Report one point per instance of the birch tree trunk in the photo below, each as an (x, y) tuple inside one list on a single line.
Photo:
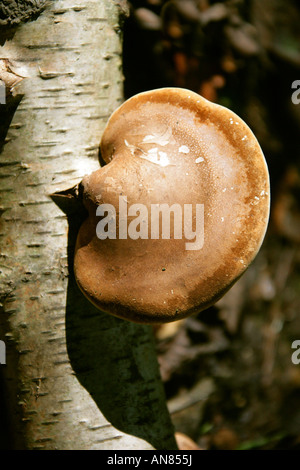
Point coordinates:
[(75, 378)]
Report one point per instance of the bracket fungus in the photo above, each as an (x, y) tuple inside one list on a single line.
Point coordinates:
[(177, 213)]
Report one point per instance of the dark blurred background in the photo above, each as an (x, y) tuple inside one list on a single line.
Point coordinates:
[(228, 372)]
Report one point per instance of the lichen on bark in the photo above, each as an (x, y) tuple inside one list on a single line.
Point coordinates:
[(13, 12)]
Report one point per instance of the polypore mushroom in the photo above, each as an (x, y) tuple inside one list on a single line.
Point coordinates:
[(171, 146)]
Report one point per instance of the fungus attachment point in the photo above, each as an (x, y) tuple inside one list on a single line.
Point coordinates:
[(178, 212)]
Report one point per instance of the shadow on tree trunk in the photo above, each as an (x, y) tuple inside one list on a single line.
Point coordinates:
[(115, 360)]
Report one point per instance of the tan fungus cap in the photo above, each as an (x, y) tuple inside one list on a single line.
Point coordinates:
[(171, 146)]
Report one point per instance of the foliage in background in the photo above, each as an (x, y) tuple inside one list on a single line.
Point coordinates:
[(228, 372)]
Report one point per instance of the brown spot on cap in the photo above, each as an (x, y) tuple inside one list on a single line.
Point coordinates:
[(171, 146)]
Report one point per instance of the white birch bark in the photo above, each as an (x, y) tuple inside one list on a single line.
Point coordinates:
[(89, 381)]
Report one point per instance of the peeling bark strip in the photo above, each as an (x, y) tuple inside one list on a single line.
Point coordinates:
[(13, 12), (75, 378)]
